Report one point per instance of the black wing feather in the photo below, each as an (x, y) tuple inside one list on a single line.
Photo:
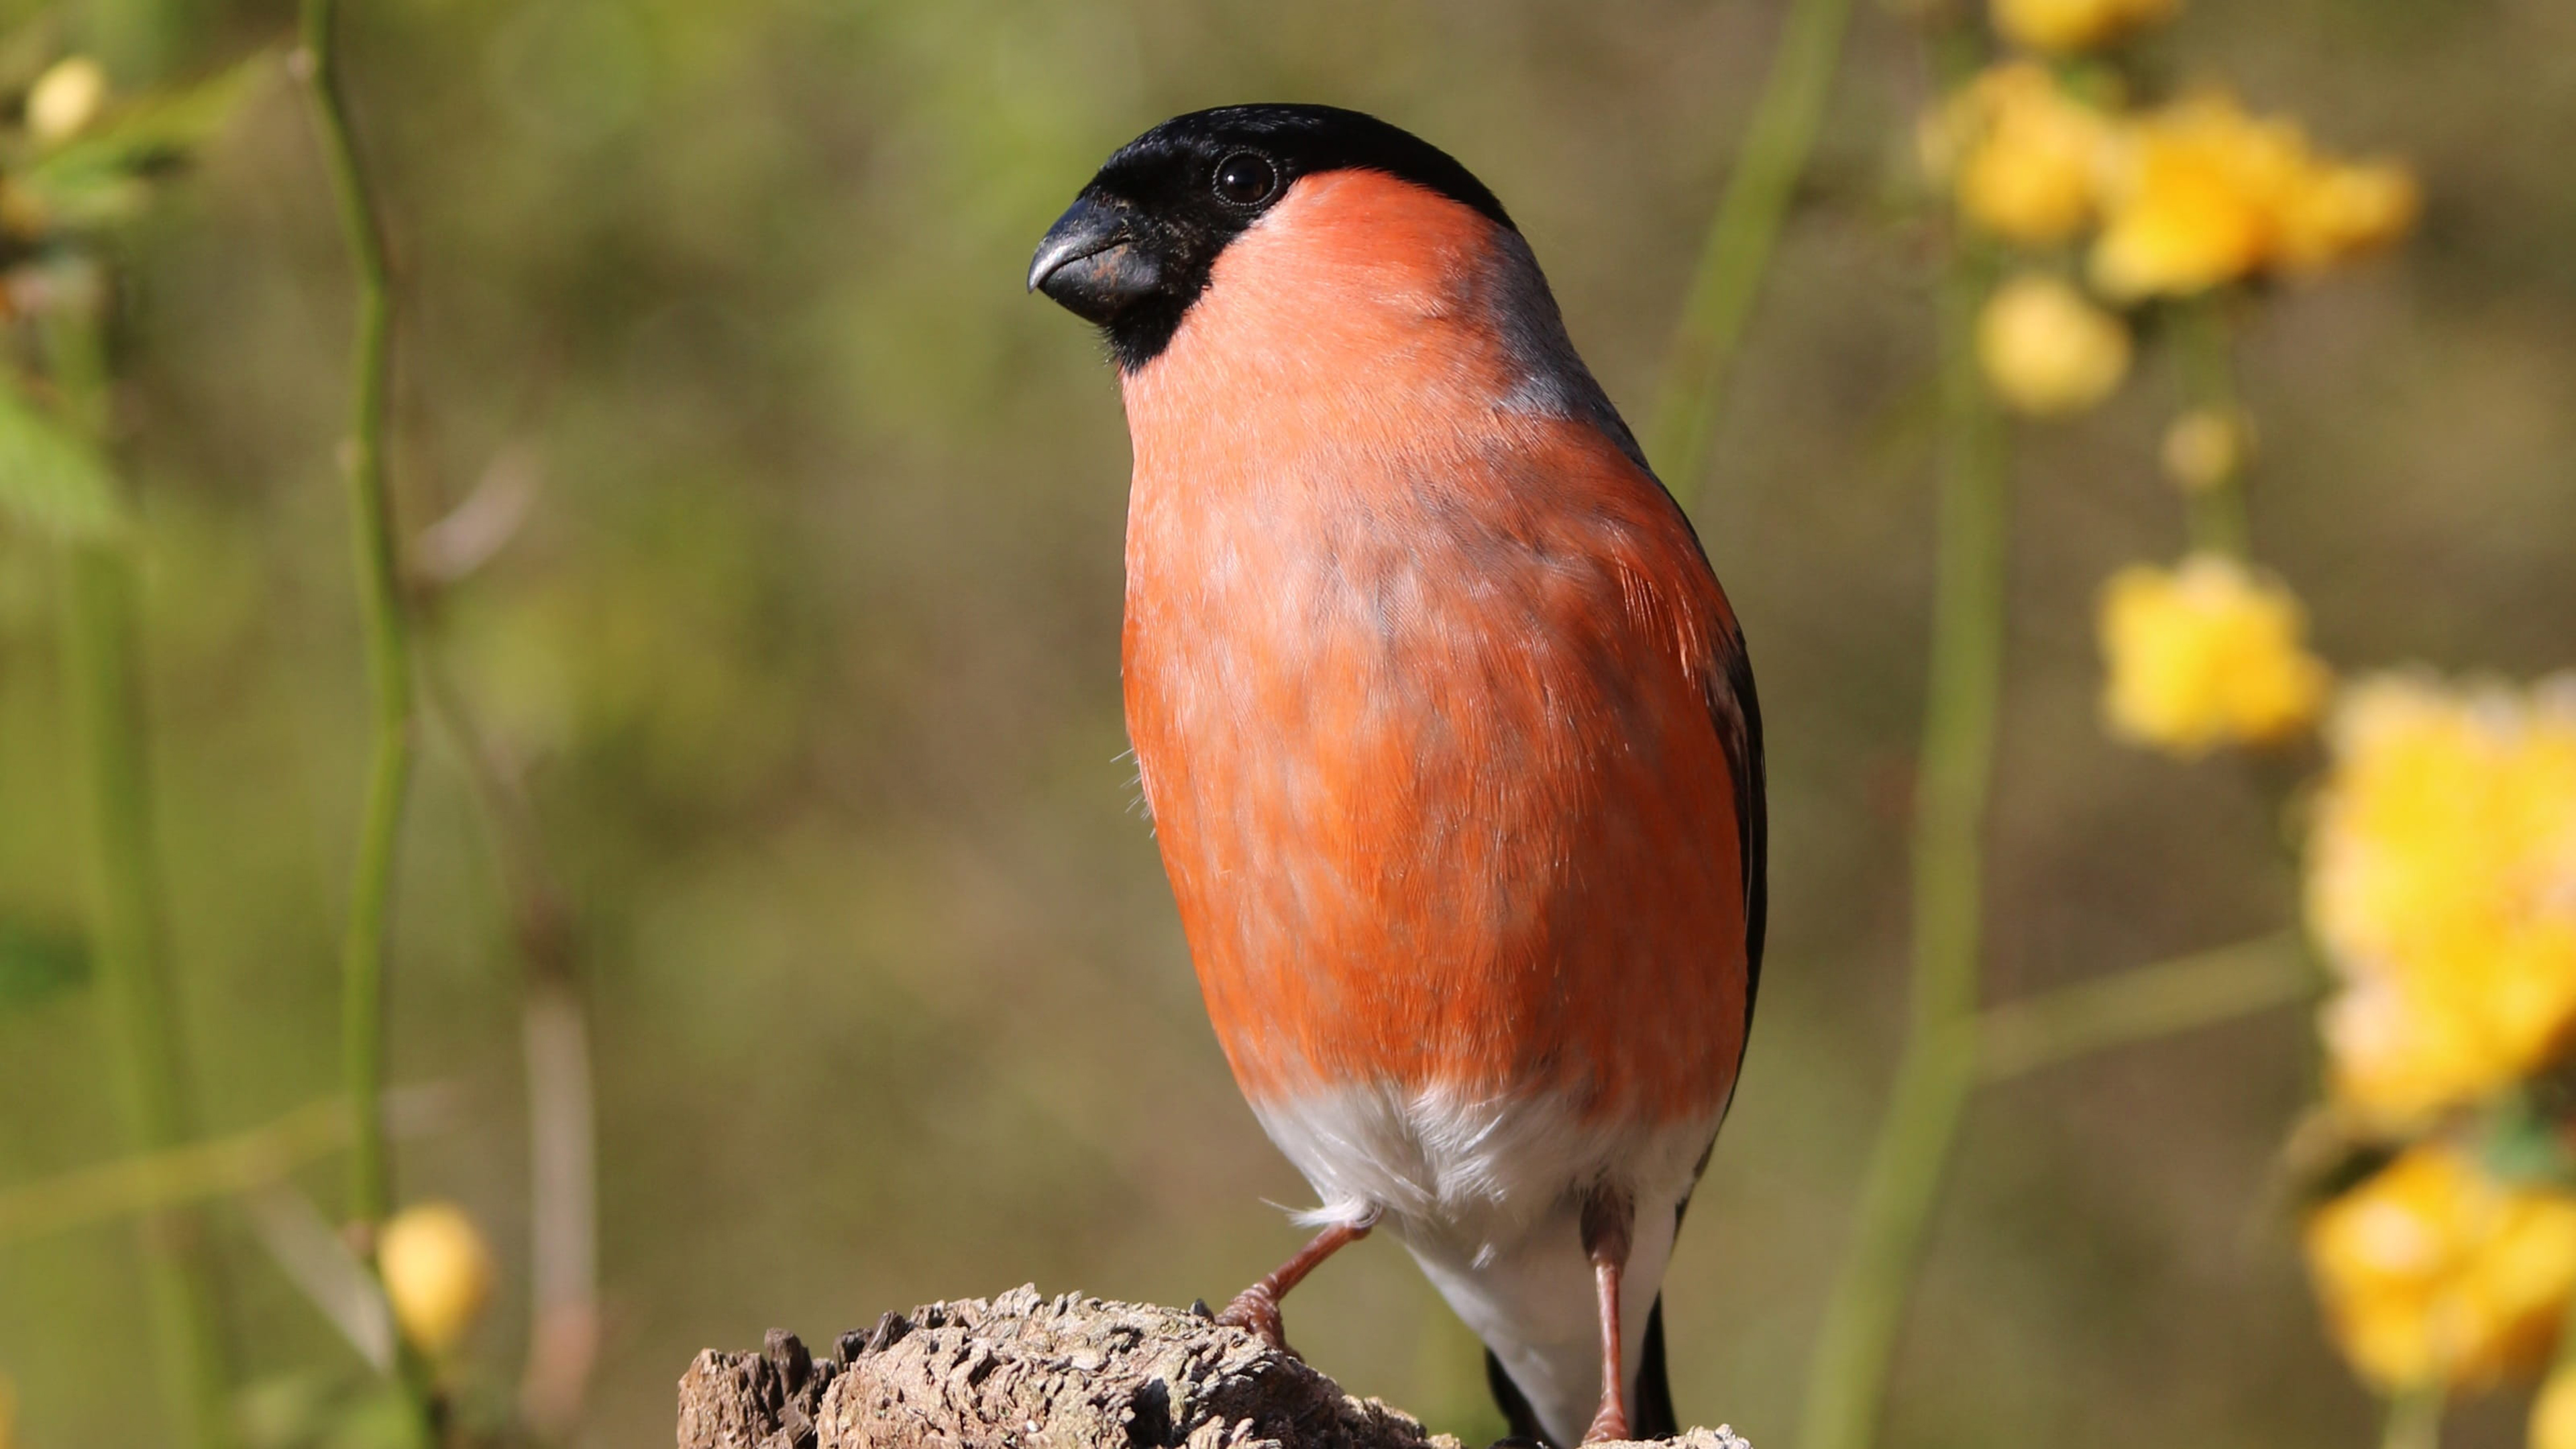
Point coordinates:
[(1739, 728)]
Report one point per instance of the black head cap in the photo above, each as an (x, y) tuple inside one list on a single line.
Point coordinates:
[(1138, 244)]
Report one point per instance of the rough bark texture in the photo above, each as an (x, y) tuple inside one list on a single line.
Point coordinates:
[(1026, 1372)]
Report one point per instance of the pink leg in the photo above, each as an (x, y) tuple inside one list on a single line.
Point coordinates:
[(1608, 1218), (1257, 1308)]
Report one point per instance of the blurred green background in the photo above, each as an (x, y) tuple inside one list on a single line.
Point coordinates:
[(809, 643)]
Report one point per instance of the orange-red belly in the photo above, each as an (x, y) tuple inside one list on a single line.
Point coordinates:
[(1441, 799)]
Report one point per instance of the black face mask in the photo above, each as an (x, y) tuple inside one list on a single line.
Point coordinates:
[(1138, 245)]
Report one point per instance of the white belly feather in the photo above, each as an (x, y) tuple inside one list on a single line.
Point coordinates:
[(1486, 1193)]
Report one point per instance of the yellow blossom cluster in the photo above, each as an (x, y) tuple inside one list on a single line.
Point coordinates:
[(2071, 25), (2176, 200), (2201, 193), (2181, 198), (2434, 1274), (2442, 888), (2440, 868), (2024, 159), (2204, 654)]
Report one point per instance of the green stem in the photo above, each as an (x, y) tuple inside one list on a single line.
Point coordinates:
[(1847, 1381), (173, 1176), (2414, 1420), (388, 626), (1741, 237), (389, 662), (104, 694), (106, 708), (2144, 1003), (2204, 353), (142, 40)]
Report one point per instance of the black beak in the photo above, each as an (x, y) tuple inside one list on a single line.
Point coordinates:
[(1091, 265)]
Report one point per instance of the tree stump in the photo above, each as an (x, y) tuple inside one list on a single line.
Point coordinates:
[(1035, 1373)]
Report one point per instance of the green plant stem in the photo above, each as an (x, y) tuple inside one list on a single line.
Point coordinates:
[(104, 694), (208, 1167), (2205, 356), (161, 1180), (2414, 1420), (2144, 1003), (388, 625), (1847, 1381), (389, 662), (142, 40), (1741, 238)]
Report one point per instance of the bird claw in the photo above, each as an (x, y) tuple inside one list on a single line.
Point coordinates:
[(1256, 1311)]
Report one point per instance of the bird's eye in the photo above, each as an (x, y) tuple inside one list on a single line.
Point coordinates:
[(1245, 179)]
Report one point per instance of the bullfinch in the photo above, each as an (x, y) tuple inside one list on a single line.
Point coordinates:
[(1446, 728)]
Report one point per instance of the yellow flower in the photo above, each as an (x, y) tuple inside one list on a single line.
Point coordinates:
[(2553, 1413), (2047, 350), (2024, 158), (65, 98), (2432, 1273), (2195, 196), (2205, 654), (2343, 210), (2202, 193), (2442, 887), (2063, 25), (437, 1272), (2206, 447)]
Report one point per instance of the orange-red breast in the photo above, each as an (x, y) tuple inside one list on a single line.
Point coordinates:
[(1445, 724)]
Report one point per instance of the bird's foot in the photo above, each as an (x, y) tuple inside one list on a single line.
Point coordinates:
[(1255, 1310), (1609, 1424)]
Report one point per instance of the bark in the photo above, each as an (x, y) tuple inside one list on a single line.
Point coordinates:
[(1034, 1373)]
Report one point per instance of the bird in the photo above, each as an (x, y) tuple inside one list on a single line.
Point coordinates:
[(1445, 727)]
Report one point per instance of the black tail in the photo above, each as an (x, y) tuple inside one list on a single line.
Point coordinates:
[(1653, 1410), (1654, 1407), (1514, 1404)]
